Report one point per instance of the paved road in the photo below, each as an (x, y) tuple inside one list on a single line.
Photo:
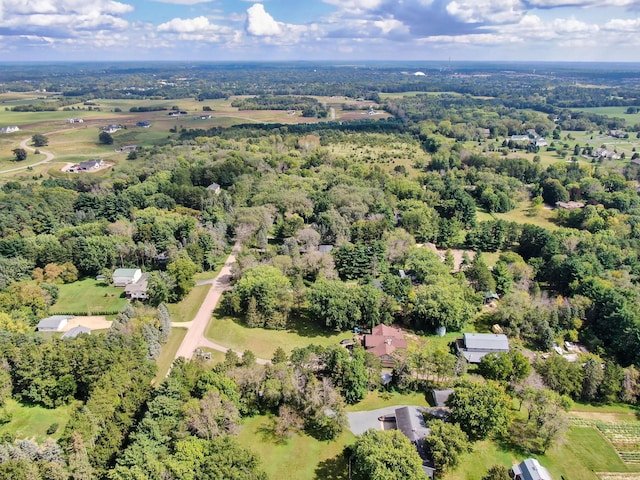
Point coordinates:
[(48, 156), (196, 329)]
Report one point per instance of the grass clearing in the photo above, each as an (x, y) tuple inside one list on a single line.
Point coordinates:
[(376, 400), (583, 453), (299, 458), (168, 352), (187, 308), (33, 421), (231, 333), (544, 218), (89, 296)]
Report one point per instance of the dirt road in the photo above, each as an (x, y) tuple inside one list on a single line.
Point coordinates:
[(196, 329)]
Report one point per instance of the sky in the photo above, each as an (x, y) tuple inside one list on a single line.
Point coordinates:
[(314, 30)]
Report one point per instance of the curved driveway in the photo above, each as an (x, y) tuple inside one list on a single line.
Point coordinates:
[(196, 329), (48, 156)]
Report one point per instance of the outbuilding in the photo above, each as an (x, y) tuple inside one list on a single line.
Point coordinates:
[(55, 323), (125, 276)]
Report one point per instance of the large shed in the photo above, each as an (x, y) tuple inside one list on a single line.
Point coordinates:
[(54, 323), (476, 345), (125, 276)]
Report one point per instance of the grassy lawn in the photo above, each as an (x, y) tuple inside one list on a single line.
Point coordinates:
[(231, 333), (216, 355), (583, 452), (300, 457), (168, 352), (544, 218), (89, 296), (186, 309), (29, 421), (375, 400)]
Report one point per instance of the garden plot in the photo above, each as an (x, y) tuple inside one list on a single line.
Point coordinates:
[(624, 437)]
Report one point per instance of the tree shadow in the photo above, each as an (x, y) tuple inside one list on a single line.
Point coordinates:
[(267, 433), (336, 468)]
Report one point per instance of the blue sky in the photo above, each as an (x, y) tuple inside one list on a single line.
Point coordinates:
[(343, 30)]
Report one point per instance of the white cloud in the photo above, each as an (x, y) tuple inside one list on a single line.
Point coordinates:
[(262, 24), (623, 25), (188, 25), (491, 11)]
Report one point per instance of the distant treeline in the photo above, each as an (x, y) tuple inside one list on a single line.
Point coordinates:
[(390, 125), (152, 108)]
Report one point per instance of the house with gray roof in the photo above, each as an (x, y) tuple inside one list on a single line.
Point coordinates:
[(54, 323), (138, 289), (75, 331), (474, 346), (530, 469)]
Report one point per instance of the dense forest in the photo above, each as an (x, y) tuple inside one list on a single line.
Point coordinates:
[(325, 235)]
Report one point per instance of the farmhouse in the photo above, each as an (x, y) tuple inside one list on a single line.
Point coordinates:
[(143, 124), (383, 341), (90, 165), (128, 148), (112, 128), (75, 331), (410, 421), (10, 129), (474, 346), (75, 120), (530, 469), (126, 276), (55, 323), (138, 289)]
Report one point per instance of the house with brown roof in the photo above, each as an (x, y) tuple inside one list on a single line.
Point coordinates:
[(383, 341)]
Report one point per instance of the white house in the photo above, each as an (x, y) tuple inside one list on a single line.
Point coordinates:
[(126, 276), (9, 129), (530, 469), (75, 331)]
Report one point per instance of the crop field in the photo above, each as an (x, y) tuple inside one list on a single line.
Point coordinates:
[(624, 437)]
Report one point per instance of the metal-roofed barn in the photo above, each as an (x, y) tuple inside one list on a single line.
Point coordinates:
[(474, 346)]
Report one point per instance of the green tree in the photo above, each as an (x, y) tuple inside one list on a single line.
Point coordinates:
[(348, 372), (446, 443), (20, 154), (279, 356), (447, 302), (497, 472), (181, 270), (385, 455), (271, 290), (39, 140), (481, 409), (105, 138), (504, 366)]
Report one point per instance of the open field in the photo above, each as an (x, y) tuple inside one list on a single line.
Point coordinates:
[(168, 353), (186, 309), (231, 333), (31, 421), (619, 112), (519, 215), (88, 295), (298, 458)]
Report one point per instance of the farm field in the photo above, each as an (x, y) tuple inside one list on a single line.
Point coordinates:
[(89, 296), (619, 112)]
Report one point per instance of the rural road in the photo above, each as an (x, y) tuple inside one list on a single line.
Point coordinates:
[(196, 329), (23, 144)]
